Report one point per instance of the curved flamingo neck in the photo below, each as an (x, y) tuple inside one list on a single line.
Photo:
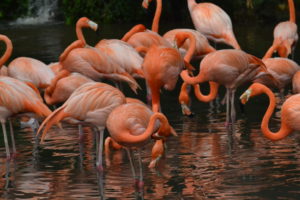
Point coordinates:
[(191, 4), (214, 87), (137, 28), (79, 33), (73, 45), (292, 11), (284, 129), (8, 50), (270, 52), (155, 23), (129, 139), (192, 47), (200, 78)]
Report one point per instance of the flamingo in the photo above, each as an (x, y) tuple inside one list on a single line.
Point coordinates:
[(36, 72), (162, 65), (151, 37), (89, 104), (282, 69), (17, 97), (213, 22), (132, 125), (93, 63), (296, 83), (202, 45), (290, 120), (285, 35), (157, 149), (230, 68)]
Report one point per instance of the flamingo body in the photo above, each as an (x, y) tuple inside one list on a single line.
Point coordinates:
[(213, 22), (282, 69), (122, 53), (31, 70)]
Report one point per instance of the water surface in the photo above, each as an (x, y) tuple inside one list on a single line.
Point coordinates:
[(206, 160)]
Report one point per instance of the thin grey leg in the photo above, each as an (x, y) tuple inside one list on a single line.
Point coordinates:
[(12, 135), (233, 114), (131, 162), (100, 149), (5, 140), (227, 107)]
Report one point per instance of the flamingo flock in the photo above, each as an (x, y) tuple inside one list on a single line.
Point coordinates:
[(76, 81)]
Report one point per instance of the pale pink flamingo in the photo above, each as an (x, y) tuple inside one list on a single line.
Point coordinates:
[(230, 68), (282, 69), (132, 125), (36, 72), (296, 82), (285, 35), (290, 117), (92, 63), (17, 97), (213, 22), (89, 104)]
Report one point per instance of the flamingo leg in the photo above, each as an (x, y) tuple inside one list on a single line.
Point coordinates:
[(227, 107), (5, 139), (141, 181), (131, 162), (12, 135), (232, 112), (100, 149), (81, 134)]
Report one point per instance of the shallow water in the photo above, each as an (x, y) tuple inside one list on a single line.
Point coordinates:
[(205, 161)]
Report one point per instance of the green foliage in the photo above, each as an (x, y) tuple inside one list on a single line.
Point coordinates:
[(101, 10), (12, 9)]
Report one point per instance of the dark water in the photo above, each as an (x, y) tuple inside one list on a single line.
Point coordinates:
[(206, 161)]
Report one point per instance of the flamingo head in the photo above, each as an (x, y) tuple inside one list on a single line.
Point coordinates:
[(86, 22), (254, 90)]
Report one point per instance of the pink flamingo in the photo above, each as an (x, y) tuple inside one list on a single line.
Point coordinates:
[(285, 35), (36, 72), (17, 97), (132, 125), (89, 104), (282, 69), (210, 20), (162, 65), (290, 120), (230, 68), (202, 45)]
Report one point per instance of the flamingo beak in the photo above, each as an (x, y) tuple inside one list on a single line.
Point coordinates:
[(245, 96), (145, 4), (93, 25)]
